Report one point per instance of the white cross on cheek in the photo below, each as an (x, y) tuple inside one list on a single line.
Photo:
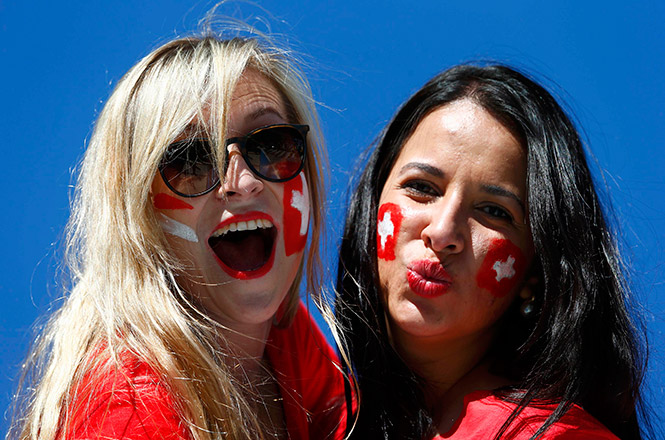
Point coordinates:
[(504, 269), (385, 229), (298, 202)]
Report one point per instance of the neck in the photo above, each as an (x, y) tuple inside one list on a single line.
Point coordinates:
[(248, 362), (442, 364), (451, 369), (246, 350)]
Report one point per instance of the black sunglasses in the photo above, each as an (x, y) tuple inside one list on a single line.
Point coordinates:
[(275, 153)]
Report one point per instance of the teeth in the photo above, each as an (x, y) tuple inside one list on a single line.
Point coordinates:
[(250, 225)]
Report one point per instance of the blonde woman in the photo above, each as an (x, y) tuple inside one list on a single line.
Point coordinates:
[(186, 249)]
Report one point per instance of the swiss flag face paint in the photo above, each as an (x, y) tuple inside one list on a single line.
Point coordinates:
[(502, 268), (387, 230), (296, 215), (165, 201)]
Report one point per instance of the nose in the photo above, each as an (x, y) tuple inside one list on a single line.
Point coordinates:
[(445, 233), (240, 181)]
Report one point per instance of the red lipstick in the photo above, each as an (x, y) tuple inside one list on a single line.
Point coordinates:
[(428, 278), (252, 273)]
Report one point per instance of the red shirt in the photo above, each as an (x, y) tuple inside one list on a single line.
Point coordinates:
[(132, 403), (484, 414)]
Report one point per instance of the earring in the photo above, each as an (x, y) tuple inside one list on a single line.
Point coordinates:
[(528, 307)]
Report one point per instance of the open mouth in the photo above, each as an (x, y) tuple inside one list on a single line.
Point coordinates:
[(245, 248)]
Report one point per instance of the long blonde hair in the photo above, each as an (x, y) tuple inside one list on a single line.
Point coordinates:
[(123, 296)]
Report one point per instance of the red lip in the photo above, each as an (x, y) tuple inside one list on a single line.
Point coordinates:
[(248, 274), (428, 278)]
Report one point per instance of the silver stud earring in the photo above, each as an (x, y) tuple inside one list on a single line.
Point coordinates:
[(528, 307)]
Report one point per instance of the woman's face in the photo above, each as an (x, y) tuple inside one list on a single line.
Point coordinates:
[(243, 242), (453, 244)]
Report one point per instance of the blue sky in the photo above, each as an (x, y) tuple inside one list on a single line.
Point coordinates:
[(60, 60)]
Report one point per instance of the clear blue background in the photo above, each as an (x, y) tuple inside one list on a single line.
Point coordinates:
[(59, 61)]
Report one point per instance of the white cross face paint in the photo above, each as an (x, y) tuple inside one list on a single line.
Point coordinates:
[(175, 228), (296, 214), (386, 229), (504, 269), (299, 202)]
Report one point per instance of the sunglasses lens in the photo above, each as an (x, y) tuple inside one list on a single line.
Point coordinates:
[(188, 168), (276, 153)]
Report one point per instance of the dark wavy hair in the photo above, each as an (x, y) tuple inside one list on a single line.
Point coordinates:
[(581, 347)]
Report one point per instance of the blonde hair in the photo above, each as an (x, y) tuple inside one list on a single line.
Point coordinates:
[(124, 297)]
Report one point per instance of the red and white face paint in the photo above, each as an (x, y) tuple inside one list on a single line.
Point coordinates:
[(387, 230), (463, 244), (166, 202), (502, 268), (296, 214)]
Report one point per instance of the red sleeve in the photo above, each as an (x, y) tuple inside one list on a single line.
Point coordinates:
[(128, 403)]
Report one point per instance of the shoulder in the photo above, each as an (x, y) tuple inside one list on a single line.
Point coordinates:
[(124, 401), (484, 414)]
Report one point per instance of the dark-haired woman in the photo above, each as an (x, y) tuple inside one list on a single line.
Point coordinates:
[(479, 285)]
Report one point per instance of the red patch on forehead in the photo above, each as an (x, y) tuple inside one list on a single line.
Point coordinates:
[(502, 268), (387, 229), (296, 216), (165, 201)]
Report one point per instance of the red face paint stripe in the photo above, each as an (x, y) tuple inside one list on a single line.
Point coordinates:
[(389, 221), (294, 216), (165, 201), (502, 268)]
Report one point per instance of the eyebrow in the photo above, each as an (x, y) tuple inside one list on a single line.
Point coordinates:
[(264, 111), (420, 166), (503, 192)]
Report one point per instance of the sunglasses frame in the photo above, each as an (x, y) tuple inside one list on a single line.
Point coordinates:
[(241, 141)]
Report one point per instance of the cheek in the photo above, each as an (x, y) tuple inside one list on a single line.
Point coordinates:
[(166, 202), (177, 229), (296, 214), (502, 268), (387, 230)]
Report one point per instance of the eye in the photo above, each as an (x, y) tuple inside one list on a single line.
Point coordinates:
[(496, 212), (188, 158), (420, 188)]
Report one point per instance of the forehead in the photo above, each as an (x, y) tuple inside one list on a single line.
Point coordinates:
[(257, 97), (464, 136)]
